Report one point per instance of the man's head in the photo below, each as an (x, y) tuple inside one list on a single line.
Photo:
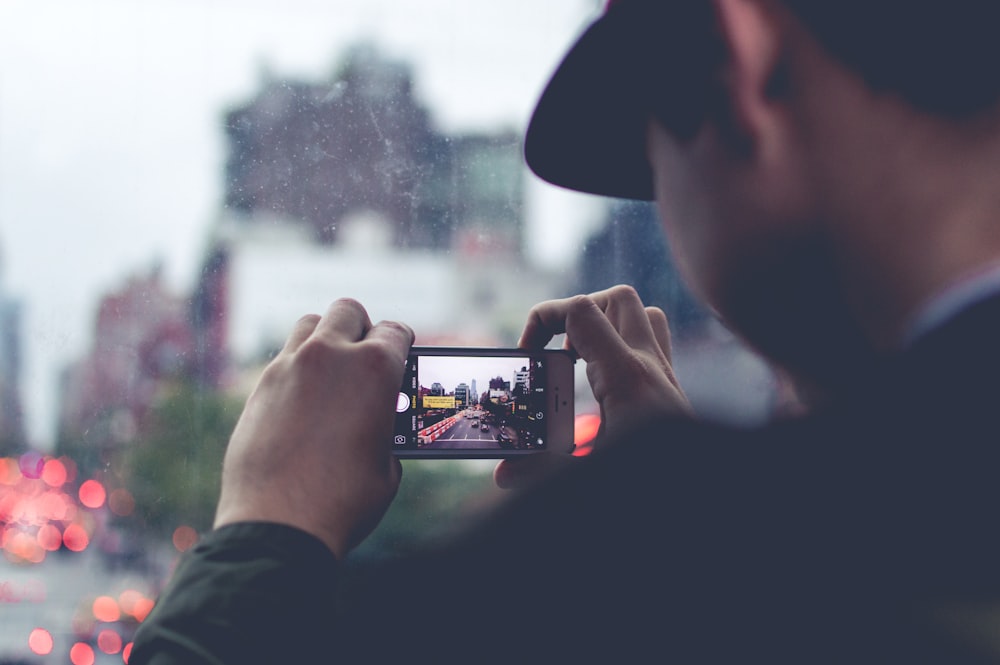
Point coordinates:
[(778, 138), (663, 57)]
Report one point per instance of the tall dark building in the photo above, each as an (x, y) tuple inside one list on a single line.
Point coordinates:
[(498, 383), (631, 249), (209, 317), (12, 434), (462, 395)]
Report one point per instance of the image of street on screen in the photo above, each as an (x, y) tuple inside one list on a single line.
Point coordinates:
[(472, 403)]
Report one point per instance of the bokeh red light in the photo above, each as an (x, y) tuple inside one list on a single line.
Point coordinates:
[(81, 653), (75, 538), (40, 641), (184, 538), (49, 537), (585, 429), (92, 494), (54, 473), (106, 609), (109, 641)]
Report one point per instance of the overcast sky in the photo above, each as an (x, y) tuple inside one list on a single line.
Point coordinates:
[(450, 372), (111, 145)]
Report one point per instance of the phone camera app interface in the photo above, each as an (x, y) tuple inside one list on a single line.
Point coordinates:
[(472, 403)]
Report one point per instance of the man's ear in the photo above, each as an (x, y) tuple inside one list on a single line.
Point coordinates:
[(754, 72)]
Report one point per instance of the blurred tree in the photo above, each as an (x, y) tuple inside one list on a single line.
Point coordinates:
[(175, 467)]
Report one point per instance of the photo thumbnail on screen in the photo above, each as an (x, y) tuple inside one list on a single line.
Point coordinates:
[(470, 403)]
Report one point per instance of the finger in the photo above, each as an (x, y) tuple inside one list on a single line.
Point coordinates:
[(300, 333), (395, 336), (545, 321), (623, 307), (593, 334), (346, 319), (661, 330)]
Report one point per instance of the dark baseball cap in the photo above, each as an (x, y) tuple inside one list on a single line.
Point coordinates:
[(588, 129)]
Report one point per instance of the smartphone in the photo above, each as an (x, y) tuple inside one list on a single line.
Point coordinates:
[(476, 403)]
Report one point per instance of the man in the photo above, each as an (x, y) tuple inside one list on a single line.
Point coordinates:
[(826, 173)]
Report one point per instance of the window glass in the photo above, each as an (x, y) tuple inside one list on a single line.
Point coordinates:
[(181, 180)]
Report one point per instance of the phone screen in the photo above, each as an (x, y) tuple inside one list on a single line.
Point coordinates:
[(474, 405)]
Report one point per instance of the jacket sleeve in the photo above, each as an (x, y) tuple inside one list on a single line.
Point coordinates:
[(250, 592)]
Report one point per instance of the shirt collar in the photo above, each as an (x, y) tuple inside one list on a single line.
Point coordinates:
[(967, 291)]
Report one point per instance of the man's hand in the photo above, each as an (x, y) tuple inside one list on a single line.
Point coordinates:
[(312, 448), (627, 350)]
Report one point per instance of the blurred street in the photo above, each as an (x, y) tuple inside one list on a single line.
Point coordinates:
[(58, 596)]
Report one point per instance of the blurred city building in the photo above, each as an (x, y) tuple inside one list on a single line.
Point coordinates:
[(630, 248), (320, 151), (12, 434), (142, 340)]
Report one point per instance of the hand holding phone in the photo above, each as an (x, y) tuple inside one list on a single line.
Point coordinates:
[(305, 450), (626, 348), (478, 403)]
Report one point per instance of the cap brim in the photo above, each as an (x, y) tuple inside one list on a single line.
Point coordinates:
[(588, 130)]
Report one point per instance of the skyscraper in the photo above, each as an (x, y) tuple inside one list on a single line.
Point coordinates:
[(12, 437), (462, 395)]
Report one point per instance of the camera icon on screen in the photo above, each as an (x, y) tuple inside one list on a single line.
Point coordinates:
[(400, 440)]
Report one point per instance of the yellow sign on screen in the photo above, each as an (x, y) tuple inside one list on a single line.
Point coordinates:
[(437, 402)]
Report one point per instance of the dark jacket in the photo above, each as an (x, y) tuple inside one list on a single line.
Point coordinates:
[(868, 533)]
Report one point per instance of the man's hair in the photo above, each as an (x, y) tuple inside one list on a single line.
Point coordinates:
[(941, 57)]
